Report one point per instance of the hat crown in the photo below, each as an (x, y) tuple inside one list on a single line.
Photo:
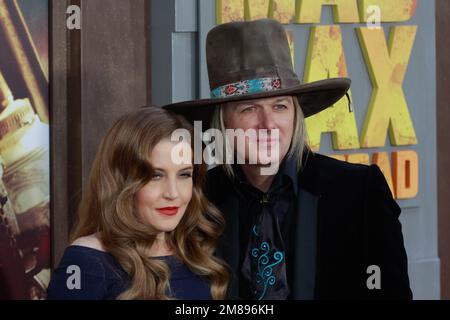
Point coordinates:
[(239, 51)]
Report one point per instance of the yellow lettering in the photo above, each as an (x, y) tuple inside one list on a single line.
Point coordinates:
[(229, 10), (326, 59), (310, 11), (391, 11), (238, 10), (344, 11), (360, 158), (337, 156), (256, 9), (290, 37), (387, 66), (405, 167), (403, 180), (282, 10)]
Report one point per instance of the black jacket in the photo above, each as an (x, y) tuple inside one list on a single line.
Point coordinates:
[(346, 221)]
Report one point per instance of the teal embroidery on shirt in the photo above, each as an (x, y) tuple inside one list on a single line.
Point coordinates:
[(264, 273)]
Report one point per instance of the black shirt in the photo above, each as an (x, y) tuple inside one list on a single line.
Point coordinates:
[(281, 196)]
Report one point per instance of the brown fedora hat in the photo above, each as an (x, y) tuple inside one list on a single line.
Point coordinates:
[(252, 60)]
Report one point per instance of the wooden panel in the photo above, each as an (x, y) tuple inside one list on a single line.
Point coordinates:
[(114, 67), (97, 74), (58, 64)]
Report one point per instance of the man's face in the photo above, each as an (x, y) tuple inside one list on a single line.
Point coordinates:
[(269, 114)]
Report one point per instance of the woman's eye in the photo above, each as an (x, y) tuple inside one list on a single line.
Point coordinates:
[(157, 176), (186, 175)]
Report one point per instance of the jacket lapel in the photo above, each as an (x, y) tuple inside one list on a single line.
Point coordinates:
[(305, 244), (305, 238), (306, 225)]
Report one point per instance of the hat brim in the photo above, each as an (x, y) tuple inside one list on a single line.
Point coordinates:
[(313, 98)]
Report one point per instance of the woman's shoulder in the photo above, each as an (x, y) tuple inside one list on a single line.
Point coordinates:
[(88, 255), (92, 272), (91, 241), (87, 252)]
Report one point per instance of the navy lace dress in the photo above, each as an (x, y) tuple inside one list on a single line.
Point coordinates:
[(102, 278)]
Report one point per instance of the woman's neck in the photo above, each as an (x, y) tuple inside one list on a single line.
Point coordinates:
[(160, 247)]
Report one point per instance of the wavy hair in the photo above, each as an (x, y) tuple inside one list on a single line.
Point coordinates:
[(120, 169)]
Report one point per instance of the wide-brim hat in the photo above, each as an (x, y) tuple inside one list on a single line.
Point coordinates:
[(252, 60)]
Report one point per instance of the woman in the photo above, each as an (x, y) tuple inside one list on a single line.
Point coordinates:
[(145, 229)]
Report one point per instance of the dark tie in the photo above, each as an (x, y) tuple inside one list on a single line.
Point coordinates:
[(264, 264)]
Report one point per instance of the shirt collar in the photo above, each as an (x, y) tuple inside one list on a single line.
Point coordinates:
[(288, 169)]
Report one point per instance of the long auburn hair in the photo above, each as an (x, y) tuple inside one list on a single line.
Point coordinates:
[(120, 169)]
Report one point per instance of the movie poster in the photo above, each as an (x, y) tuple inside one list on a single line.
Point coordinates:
[(24, 150)]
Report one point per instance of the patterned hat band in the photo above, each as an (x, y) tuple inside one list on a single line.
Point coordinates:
[(247, 87)]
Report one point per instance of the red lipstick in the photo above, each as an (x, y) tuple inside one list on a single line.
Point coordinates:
[(168, 211)]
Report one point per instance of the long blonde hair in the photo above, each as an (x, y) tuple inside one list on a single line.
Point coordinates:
[(120, 169)]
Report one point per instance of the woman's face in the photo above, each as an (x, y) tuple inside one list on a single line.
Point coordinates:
[(161, 203)]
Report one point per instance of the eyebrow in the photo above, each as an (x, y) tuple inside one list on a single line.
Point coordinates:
[(247, 103), (182, 169), (242, 104), (281, 99)]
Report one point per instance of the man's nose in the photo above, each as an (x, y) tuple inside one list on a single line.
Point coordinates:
[(266, 120)]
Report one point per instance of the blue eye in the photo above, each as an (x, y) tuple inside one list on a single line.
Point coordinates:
[(248, 109), (280, 106), (157, 176)]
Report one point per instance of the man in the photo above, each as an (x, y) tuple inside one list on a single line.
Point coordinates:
[(315, 228)]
